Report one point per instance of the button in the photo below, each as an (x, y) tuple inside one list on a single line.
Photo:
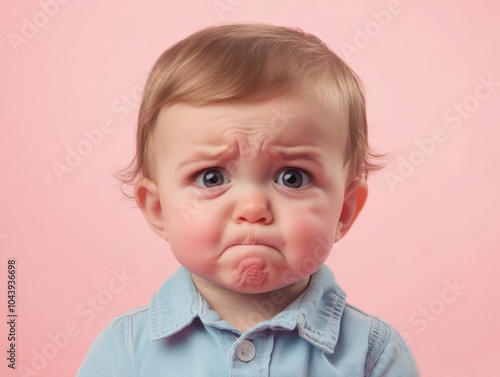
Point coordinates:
[(245, 351)]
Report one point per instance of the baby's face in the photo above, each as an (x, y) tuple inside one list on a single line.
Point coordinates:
[(251, 195)]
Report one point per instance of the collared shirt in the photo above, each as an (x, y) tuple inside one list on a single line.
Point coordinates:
[(317, 335)]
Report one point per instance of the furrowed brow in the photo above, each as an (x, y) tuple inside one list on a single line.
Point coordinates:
[(212, 154)]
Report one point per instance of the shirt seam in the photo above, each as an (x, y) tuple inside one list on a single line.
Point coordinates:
[(377, 342), (262, 354), (322, 333)]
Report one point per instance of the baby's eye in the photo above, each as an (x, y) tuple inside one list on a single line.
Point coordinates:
[(211, 178), (293, 178)]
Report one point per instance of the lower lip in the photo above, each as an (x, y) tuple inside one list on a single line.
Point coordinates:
[(251, 251)]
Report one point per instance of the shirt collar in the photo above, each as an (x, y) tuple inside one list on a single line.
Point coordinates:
[(316, 313)]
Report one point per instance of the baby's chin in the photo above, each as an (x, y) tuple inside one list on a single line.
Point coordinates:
[(249, 275), (253, 276), (252, 273)]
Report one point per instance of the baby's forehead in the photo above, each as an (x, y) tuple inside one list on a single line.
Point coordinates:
[(283, 118), (291, 129)]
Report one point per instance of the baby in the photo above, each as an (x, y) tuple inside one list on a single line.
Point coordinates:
[(252, 159)]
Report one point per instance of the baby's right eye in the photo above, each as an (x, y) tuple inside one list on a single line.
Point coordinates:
[(211, 178)]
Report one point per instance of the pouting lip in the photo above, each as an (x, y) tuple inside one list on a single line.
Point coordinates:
[(252, 242), (254, 249), (252, 236)]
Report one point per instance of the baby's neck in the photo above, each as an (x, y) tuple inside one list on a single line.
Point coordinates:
[(244, 311)]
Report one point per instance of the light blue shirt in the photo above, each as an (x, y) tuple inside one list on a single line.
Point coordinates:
[(318, 335)]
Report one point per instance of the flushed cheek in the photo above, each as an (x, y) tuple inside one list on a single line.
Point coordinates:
[(196, 233), (310, 238)]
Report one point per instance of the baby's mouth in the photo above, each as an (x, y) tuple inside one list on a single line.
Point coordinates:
[(249, 238)]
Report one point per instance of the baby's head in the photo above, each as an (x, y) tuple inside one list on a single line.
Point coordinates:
[(252, 154)]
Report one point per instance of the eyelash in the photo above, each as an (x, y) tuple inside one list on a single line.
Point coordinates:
[(192, 178)]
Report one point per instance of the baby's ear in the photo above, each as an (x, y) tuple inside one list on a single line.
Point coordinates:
[(148, 200), (354, 200)]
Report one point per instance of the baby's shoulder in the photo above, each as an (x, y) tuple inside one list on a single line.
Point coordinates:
[(366, 328), (386, 349)]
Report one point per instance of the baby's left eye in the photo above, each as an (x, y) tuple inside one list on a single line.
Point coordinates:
[(293, 178)]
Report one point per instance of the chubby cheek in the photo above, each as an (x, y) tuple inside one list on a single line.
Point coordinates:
[(310, 236), (194, 233)]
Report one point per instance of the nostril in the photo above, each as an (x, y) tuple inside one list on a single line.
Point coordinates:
[(254, 220), (252, 213)]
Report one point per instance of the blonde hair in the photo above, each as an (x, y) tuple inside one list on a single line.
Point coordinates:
[(252, 62)]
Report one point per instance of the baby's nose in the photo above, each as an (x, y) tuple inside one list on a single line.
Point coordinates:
[(253, 208)]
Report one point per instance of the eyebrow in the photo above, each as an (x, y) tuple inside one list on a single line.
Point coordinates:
[(212, 154), (310, 153)]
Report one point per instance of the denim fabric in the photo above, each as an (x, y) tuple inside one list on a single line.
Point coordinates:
[(317, 335)]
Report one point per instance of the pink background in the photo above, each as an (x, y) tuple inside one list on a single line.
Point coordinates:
[(435, 224)]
